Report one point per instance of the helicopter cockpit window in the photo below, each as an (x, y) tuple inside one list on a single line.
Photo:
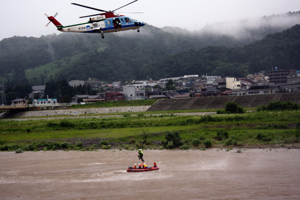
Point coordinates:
[(127, 19)]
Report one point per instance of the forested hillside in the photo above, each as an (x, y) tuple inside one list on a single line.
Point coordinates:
[(280, 50), (152, 53)]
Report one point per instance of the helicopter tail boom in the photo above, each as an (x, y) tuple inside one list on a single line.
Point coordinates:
[(54, 21)]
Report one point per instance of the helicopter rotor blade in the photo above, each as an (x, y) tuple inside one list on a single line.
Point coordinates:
[(90, 15), (125, 5), (76, 4)]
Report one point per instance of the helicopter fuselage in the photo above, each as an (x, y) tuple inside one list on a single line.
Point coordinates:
[(102, 25)]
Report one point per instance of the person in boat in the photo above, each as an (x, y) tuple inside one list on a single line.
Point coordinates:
[(145, 166), (141, 155), (140, 165), (134, 167), (154, 164)]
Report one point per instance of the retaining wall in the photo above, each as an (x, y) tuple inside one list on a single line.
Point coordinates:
[(86, 111), (220, 102)]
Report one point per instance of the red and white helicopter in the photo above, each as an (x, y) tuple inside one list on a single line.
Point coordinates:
[(104, 22)]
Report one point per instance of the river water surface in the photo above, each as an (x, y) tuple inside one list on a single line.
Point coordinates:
[(193, 174)]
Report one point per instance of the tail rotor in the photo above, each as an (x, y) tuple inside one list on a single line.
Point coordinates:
[(50, 18)]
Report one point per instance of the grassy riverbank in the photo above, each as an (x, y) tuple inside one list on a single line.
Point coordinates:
[(254, 129)]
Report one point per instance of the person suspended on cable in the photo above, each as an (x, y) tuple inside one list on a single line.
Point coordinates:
[(141, 155)]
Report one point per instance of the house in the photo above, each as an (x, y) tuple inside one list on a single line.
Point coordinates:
[(19, 102), (114, 96), (285, 88), (211, 79), (133, 92), (220, 83), (87, 98), (37, 90), (262, 89), (211, 91), (94, 83), (116, 84)]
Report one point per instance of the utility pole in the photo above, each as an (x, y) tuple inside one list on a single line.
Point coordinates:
[(3, 96)]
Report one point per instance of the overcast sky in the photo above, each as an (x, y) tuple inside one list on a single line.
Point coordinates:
[(26, 17)]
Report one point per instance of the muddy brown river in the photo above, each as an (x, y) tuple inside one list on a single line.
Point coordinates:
[(193, 174)]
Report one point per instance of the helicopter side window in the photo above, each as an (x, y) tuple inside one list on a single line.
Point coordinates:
[(127, 19), (122, 20)]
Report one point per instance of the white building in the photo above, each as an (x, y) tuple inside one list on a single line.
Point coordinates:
[(232, 83), (133, 92)]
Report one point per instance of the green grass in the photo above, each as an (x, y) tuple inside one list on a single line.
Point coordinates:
[(87, 134), (243, 130)]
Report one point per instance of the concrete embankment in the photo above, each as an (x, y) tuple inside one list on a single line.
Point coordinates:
[(86, 111), (220, 102)]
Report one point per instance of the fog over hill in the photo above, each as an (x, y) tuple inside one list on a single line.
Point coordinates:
[(238, 33)]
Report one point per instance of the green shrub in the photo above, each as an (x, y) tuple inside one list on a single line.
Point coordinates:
[(65, 145), (104, 143), (52, 124), (207, 118), (278, 105), (66, 124), (233, 108), (264, 137), (79, 144), (4, 147), (185, 147), (221, 112), (173, 140), (207, 143), (106, 146), (126, 115), (170, 145), (19, 150), (222, 134), (230, 141), (196, 142)]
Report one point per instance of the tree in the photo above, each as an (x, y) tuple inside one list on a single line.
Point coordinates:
[(233, 108), (60, 90), (170, 85)]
